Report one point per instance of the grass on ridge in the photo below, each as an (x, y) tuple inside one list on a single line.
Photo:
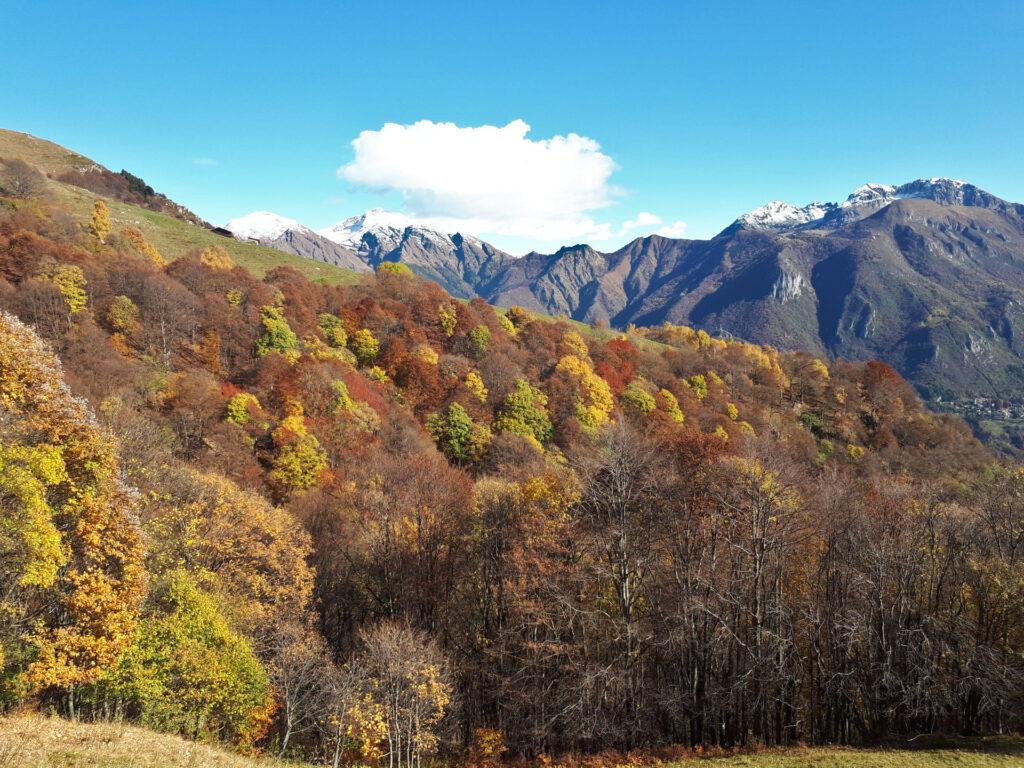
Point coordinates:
[(174, 237), (52, 159)]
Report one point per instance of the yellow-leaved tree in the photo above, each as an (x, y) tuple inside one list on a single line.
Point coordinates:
[(216, 257), (99, 224), (300, 460), (449, 318), (249, 553), (189, 670), (145, 248), (71, 574), (594, 401), (69, 279), (402, 690)]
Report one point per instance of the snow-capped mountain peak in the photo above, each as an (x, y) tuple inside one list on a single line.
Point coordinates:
[(349, 232), (262, 225), (288, 235), (378, 231), (941, 190), (870, 193), (777, 214), (863, 201)]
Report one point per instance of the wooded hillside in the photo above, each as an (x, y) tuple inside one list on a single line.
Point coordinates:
[(368, 522)]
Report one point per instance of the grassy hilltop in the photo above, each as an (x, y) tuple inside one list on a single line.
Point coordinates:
[(173, 237)]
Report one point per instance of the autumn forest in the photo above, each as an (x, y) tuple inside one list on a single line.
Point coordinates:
[(368, 523)]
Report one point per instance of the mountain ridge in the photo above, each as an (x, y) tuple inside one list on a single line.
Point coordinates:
[(288, 235), (867, 198), (927, 275)]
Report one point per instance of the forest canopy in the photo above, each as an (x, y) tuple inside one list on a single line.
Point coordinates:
[(368, 523)]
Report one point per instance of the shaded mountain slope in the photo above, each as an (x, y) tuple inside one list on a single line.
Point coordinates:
[(928, 276)]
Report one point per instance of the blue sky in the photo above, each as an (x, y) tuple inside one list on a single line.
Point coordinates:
[(701, 110)]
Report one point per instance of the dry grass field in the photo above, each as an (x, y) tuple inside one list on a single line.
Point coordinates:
[(34, 741)]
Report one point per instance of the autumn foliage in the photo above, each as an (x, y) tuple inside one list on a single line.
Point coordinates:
[(72, 570), (369, 523)]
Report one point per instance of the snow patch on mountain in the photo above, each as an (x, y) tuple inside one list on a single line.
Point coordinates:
[(431, 239), (778, 214), (386, 225), (867, 194), (262, 226), (865, 199), (378, 232)]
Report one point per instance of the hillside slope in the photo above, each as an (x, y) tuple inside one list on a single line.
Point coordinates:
[(56, 162), (381, 451), (928, 276), (51, 159), (284, 234), (173, 236)]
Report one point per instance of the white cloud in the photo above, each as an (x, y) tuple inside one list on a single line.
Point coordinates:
[(646, 222), (209, 161), (675, 229), (489, 179), (643, 219)]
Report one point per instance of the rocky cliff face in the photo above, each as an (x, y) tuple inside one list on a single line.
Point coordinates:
[(465, 266), (312, 246)]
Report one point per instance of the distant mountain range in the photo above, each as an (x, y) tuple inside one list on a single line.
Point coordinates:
[(290, 236), (928, 276), (362, 242)]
